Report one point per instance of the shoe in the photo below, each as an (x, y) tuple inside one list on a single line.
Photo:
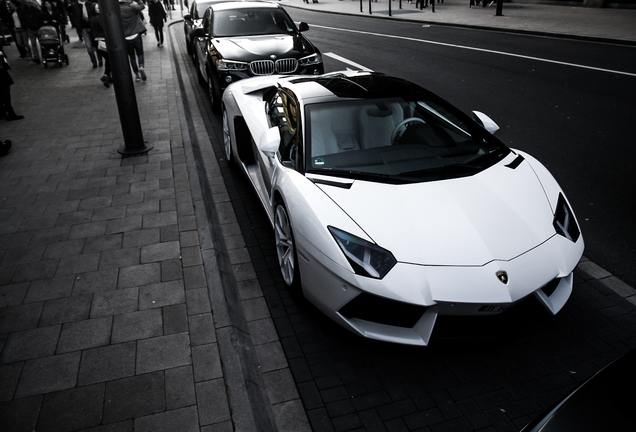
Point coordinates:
[(142, 73), (5, 146), (103, 78), (107, 81), (11, 115), (137, 77), (14, 117)]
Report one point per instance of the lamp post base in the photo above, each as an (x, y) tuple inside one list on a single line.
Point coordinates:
[(134, 152)]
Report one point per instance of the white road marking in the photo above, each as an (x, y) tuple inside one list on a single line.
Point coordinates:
[(347, 61), (470, 48)]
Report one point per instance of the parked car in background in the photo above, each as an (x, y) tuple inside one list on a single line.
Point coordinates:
[(239, 40), (192, 20), (603, 403), (391, 207)]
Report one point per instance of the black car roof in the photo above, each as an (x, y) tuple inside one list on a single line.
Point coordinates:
[(369, 85)]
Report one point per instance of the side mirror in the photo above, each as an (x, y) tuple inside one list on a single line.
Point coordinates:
[(303, 26), (485, 121), (198, 32), (269, 142)]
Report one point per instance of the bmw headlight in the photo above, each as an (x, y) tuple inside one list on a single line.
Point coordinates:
[(564, 222), (367, 259), (310, 60), (229, 65)]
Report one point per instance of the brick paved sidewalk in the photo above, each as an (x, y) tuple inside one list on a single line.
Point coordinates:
[(115, 312)]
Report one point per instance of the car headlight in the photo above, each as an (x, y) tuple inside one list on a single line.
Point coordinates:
[(367, 259), (564, 222), (310, 60), (229, 65)]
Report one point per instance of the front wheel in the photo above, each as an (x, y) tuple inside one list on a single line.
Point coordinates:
[(285, 247), (215, 98), (227, 140)]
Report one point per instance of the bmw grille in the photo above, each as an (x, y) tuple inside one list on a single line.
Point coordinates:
[(269, 67)]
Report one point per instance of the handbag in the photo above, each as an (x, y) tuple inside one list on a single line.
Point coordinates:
[(101, 44)]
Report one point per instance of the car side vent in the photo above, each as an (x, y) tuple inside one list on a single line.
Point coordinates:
[(383, 311)]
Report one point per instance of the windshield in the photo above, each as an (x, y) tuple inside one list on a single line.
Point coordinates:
[(251, 22), (393, 139)]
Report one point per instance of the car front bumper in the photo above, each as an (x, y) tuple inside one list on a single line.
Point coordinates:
[(403, 307)]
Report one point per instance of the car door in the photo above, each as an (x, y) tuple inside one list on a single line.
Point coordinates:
[(283, 113), (201, 45)]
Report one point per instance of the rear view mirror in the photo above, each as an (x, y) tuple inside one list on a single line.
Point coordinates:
[(485, 121), (269, 142)]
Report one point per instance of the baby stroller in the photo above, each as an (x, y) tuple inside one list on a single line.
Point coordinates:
[(51, 44)]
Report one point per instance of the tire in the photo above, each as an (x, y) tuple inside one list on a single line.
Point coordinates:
[(215, 98), (286, 247), (227, 139)]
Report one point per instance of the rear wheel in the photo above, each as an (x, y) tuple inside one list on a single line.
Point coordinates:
[(285, 247)]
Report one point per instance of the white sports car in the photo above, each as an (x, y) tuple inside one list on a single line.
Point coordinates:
[(391, 207)]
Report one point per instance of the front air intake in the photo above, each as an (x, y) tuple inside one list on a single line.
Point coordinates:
[(381, 310)]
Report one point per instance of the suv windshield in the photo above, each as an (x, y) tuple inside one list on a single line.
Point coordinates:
[(251, 22), (394, 139)]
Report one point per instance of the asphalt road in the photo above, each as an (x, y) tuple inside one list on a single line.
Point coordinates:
[(568, 103), (477, 375)]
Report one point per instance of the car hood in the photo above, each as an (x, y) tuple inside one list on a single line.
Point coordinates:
[(497, 214), (249, 48)]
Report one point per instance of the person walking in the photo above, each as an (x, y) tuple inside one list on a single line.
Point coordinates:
[(8, 15), (6, 109), (31, 16), (133, 29), (158, 16), (97, 29), (81, 12)]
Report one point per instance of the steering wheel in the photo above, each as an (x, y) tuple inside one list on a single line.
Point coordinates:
[(397, 131)]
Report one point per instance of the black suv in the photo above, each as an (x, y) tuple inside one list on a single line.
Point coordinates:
[(238, 40)]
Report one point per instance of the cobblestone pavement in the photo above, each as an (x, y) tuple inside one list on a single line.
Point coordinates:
[(142, 293)]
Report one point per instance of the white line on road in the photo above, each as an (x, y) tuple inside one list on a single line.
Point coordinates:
[(347, 61), (470, 48)]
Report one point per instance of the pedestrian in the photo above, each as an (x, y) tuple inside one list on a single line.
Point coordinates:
[(97, 29), (7, 12), (6, 109), (80, 14), (158, 16), (31, 16), (133, 29)]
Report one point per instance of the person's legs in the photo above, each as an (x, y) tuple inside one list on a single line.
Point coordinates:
[(22, 40), (88, 42), (132, 58), (35, 49), (138, 48)]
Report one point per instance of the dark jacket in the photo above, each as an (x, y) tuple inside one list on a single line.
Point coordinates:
[(52, 16), (77, 15), (130, 17), (30, 15), (97, 27), (157, 13)]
